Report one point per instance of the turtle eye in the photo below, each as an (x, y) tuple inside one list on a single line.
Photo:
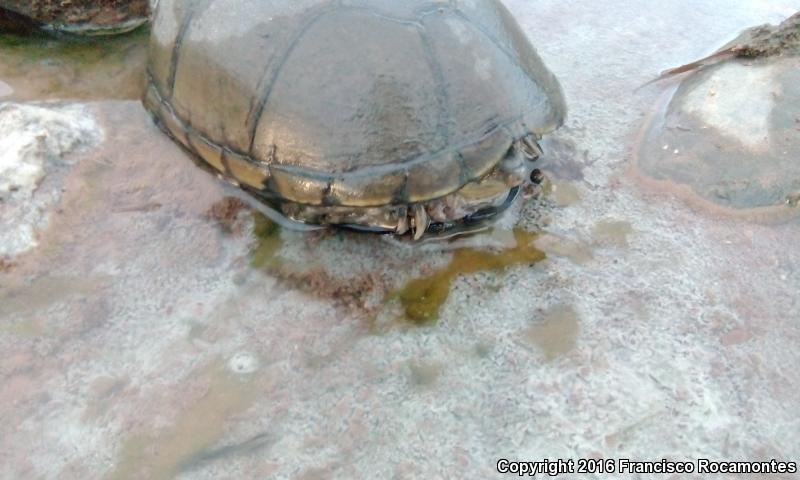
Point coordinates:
[(537, 177)]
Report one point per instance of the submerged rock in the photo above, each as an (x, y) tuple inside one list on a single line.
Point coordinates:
[(731, 131), (33, 157), (77, 16)]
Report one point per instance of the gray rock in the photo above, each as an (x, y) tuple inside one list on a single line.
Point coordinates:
[(731, 133)]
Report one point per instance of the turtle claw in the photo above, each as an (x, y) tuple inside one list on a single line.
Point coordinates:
[(530, 148), (420, 222), (403, 225)]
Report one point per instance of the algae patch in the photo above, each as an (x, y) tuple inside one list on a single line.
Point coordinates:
[(423, 298), (264, 253)]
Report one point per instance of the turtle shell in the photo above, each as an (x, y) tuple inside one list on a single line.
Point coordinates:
[(357, 103)]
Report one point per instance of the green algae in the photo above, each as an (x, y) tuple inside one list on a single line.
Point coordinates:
[(422, 298), (264, 253)]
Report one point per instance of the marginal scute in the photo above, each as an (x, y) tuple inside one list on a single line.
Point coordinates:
[(365, 191), (433, 180), (245, 171), (170, 122), (297, 188), (209, 152)]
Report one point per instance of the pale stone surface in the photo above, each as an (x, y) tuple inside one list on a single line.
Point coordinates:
[(738, 101), (5, 89), (35, 139)]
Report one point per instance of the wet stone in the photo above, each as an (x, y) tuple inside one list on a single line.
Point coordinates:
[(730, 134)]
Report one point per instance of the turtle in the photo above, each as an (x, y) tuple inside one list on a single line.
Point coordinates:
[(411, 118)]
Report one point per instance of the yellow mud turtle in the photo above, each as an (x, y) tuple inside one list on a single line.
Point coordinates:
[(391, 116)]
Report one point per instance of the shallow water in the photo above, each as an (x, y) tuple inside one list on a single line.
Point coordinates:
[(73, 68), (160, 332)]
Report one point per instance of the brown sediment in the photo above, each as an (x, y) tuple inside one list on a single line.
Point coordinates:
[(94, 12), (420, 299), (351, 293), (770, 40), (6, 265), (17, 24), (226, 213)]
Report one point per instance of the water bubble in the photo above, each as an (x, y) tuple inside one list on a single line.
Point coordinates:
[(243, 363)]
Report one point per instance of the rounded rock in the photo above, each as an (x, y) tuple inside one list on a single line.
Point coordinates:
[(730, 134)]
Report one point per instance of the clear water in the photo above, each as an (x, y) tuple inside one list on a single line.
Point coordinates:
[(158, 333)]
